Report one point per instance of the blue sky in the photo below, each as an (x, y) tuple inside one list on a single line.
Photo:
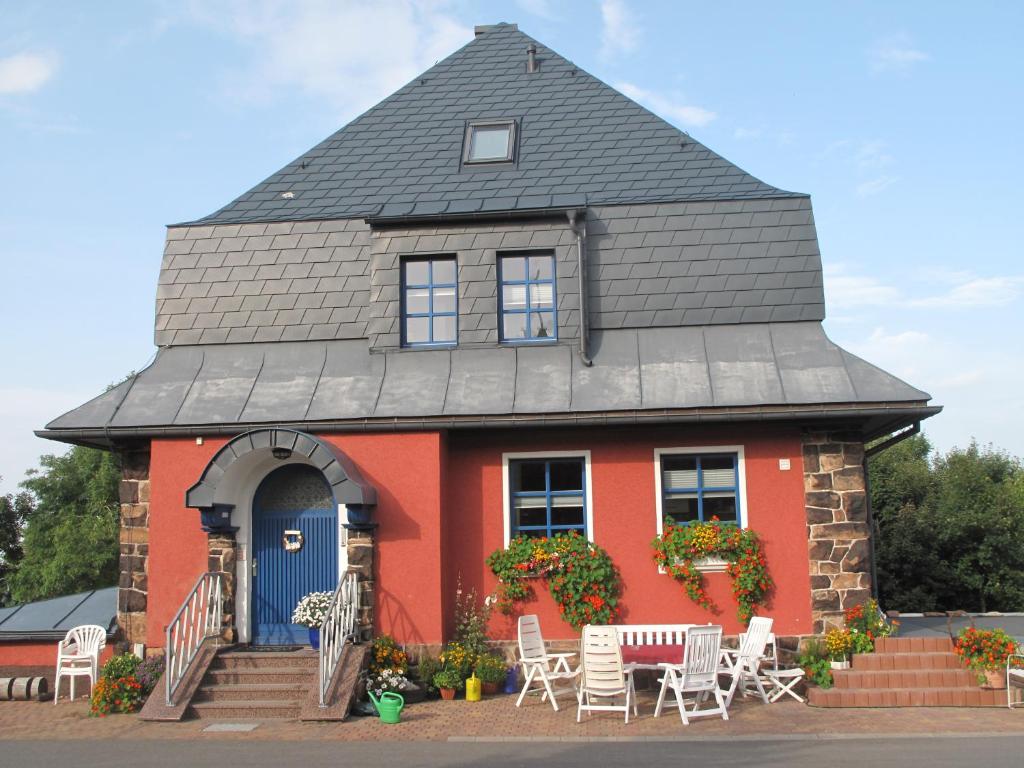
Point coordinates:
[(901, 120)]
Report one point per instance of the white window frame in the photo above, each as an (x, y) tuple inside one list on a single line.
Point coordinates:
[(506, 492), (711, 566)]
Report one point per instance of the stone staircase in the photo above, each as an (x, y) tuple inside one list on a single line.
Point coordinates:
[(258, 685), (907, 672)]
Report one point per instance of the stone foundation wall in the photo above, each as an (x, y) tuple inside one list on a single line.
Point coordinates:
[(361, 553), (221, 551), (839, 537), (133, 583)]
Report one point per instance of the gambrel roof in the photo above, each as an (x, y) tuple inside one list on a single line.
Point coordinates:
[(581, 142)]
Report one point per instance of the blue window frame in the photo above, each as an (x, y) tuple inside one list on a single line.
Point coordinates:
[(527, 298), (698, 487), (548, 496), (430, 302)]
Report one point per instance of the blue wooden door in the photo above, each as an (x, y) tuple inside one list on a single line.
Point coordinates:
[(294, 498)]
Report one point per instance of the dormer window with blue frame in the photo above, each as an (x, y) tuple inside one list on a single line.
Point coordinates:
[(527, 300), (430, 305)]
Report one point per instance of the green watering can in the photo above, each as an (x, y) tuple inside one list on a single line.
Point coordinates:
[(389, 706)]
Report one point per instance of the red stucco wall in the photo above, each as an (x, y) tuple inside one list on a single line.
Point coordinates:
[(36, 654), (622, 464)]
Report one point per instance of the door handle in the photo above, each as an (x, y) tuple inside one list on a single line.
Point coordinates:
[(254, 567)]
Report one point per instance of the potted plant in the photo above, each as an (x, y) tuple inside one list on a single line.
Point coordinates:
[(448, 681), (815, 664), (310, 613), (837, 644), (491, 670), (985, 651)]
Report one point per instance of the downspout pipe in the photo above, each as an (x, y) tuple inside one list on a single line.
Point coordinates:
[(578, 224)]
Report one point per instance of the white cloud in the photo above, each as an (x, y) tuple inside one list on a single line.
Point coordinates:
[(619, 30), (672, 107), (26, 72), (746, 133), (977, 292), (351, 53), (895, 54), (539, 8), (843, 290), (876, 185), (872, 154)]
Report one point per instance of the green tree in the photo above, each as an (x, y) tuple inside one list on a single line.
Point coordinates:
[(14, 510), (71, 535)]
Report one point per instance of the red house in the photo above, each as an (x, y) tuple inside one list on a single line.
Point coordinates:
[(505, 301)]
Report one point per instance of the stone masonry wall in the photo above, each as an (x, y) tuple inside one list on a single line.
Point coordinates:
[(839, 546), (221, 554), (361, 549), (133, 584)]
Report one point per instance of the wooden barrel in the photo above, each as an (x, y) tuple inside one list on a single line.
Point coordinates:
[(5, 688), (28, 688)]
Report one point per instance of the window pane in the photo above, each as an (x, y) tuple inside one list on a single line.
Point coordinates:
[(417, 273), (513, 268), (681, 507), (513, 296), (444, 299), (513, 326), (720, 505), (541, 295), (417, 330), (525, 514), (527, 476), (417, 300), (444, 329), (533, 534), (718, 472), (444, 271), (679, 472), (568, 515), (540, 267), (542, 325), (567, 476), (489, 143)]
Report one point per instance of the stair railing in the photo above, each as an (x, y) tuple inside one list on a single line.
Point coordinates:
[(198, 619), (340, 623)]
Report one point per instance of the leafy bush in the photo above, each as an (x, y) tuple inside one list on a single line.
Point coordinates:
[(426, 669), (471, 617), (149, 671), (449, 678), (984, 650), (815, 663), (116, 694), (122, 665), (457, 658), (837, 644), (387, 654), (866, 624), (490, 668)]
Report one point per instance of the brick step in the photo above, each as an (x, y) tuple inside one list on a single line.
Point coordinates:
[(913, 645), (871, 662), (294, 675), (252, 692), (248, 710), (242, 660), (906, 697), (907, 678)]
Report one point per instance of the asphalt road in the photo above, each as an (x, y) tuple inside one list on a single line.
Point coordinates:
[(976, 752)]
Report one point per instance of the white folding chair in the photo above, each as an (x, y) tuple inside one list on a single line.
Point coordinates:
[(743, 664), (697, 675), (603, 678), (550, 670), (78, 654)]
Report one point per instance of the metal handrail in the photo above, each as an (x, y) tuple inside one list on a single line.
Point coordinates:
[(339, 626), (198, 618)]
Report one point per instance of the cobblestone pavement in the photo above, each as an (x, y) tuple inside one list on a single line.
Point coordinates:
[(498, 718)]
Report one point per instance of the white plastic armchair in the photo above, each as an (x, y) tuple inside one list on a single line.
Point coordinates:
[(78, 654), (1014, 678), (603, 680), (697, 675), (550, 672), (743, 664)]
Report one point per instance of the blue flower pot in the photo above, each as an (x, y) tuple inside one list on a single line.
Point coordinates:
[(314, 638), (512, 680)]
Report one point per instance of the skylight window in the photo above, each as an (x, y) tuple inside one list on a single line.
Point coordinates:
[(490, 142)]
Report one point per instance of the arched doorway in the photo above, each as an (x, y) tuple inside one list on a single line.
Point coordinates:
[(294, 550)]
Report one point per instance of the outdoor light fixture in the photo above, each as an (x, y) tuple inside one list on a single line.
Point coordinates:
[(281, 453)]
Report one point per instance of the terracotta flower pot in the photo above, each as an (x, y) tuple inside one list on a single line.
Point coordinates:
[(491, 688), (994, 678), (448, 694)]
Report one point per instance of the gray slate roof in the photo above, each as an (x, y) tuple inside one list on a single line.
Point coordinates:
[(581, 143), (51, 619), (648, 370)]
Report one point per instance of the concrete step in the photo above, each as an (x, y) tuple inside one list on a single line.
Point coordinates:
[(252, 692), (908, 678), (246, 710), (871, 662), (241, 676), (913, 645), (906, 697), (244, 660)]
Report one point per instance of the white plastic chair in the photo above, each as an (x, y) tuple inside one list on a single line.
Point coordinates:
[(1014, 678), (603, 677), (539, 666), (78, 654), (697, 675), (744, 663)]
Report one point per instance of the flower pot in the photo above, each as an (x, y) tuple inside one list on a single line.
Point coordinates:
[(994, 678), (314, 638), (844, 664), (491, 688), (512, 680), (448, 694)]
